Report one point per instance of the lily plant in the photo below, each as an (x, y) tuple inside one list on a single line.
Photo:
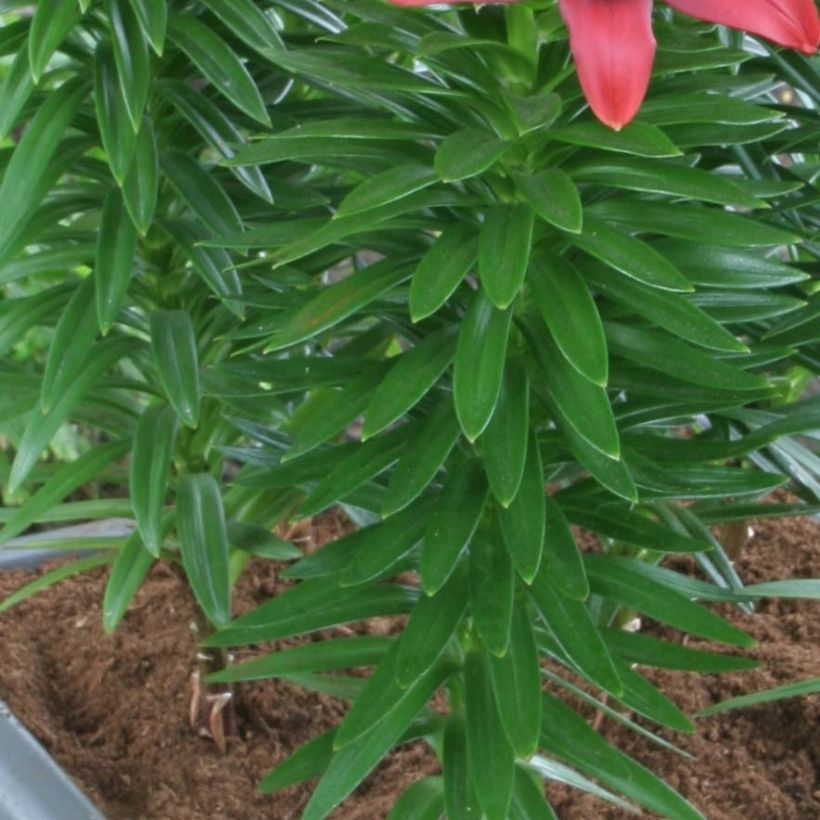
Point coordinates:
[(270, 258)]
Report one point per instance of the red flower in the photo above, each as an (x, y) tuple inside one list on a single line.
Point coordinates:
[(614, 47)]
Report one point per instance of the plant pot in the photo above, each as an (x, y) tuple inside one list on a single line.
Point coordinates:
[(32, 785)]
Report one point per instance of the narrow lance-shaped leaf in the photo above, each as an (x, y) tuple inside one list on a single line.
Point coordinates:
[(49, 26), (492, 589), (151, 456), (504, 251), (204, 544), (113, 119), (153, 19), (127, 574), (116, 243), (131, 56), (479, 364), (175, 355), (141, 182)]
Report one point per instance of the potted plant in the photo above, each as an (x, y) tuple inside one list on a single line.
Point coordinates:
[(293, 255)]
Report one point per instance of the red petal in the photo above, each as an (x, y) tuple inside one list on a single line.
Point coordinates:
[(792, 23), (614, 48)]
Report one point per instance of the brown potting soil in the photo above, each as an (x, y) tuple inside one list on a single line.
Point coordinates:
[(113, 710)]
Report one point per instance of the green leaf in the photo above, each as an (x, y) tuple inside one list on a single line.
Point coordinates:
[(410, 378), (386, 187), (636, 647), (584, 405), (201, 192), (42, 427), (422, 457), (442, 269), (503, 444), (153, 19), (568, 736), (554, 198), (127, 574), (459, 795), (27, 170), (639, 138), (248, 22), (802, 688), (151, 455), (314, 605), (49, 26), (215, 59), (113, 119), (561, 558), (203, 542), (659, 351), (522, 522), (351, 764), (533, 113), (116, 243), (572, 627), (52, 577), (385, 546), (71, 344), (667, 310), (452, 523), (260, 541), (321, 656), (307, 762), (17, 88), (630, 256), (490, 758), (529, 802), (69, 477), (504, 251), (492, 589), (516, 679), (173, 342), (431, 626), (141, 183), (334, 304), (479, 364), (613, 577), (424, 800), (467, 153), (570, 312), (131, 56)]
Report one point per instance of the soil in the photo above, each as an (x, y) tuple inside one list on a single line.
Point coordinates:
[(113, 710)]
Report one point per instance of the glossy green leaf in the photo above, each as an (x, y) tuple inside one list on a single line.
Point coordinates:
[(68, 478), (131, 56), (431, 626), (802, 688), (561, 558), (203, 543), (459, 794), (173, 342), (410, 377), (307, 762), (570, 312), (71, 345), (442, 269), (467, 153), (639, 138), (314, 605), (248, 22), (118, 137), (630, 256), (141, 182), (49, 26), (492, 589), (490, 758), (504, 251), (151, 455), (516, 679), (572, 626), (452, 522), (479, 364), (153, 19), (528, 801), (219, 64), (522, 522), (424, 800), (15, 91), (422, 457), (127, 574), (116, 243), (554, 198), (386, 187)]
